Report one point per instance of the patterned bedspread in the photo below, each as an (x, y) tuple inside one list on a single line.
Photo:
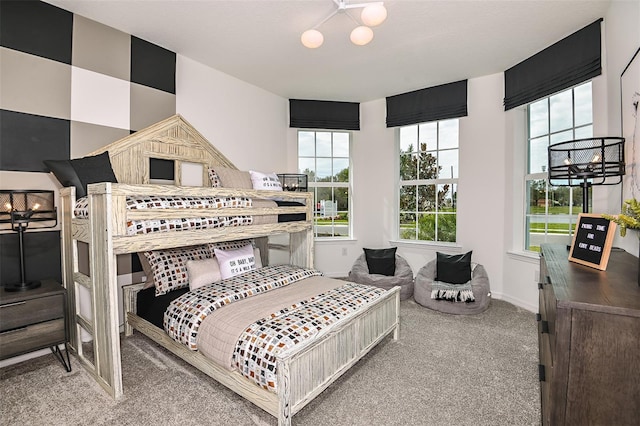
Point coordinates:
[(185, 314), (285, 330), (135, 227)]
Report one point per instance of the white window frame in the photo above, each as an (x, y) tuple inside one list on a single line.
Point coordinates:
[(313, 186), (576, 132), (452, 181)]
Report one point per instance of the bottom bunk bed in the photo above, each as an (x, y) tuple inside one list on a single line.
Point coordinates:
[(275, 354)]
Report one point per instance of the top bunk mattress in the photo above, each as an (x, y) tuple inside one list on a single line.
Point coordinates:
[(137, 227)]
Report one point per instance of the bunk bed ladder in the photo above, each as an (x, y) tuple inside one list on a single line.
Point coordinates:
[(93, 334)]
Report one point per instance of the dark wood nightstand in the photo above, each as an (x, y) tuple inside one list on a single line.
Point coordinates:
[(34, 319)]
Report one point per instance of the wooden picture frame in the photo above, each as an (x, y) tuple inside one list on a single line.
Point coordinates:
[(592, 240)]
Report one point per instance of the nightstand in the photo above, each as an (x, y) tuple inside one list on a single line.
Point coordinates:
[(34, 319)]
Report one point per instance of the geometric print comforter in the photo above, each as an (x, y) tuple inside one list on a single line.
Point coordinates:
[(136, 227), (285, 330), (185, 314)]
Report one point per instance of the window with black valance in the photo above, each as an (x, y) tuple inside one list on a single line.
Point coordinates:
[(572, 60), (430, 104), (333, 115)]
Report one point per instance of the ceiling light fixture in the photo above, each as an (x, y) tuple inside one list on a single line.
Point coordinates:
[(372, 14)]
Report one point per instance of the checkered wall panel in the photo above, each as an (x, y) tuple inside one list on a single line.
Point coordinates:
[(71, 85)]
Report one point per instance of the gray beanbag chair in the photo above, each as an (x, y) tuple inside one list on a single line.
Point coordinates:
[(479, 285), (403, 276)]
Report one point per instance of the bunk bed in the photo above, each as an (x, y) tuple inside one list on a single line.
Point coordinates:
[(302, 373)]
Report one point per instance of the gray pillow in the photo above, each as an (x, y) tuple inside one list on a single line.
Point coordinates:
[(231, 178)]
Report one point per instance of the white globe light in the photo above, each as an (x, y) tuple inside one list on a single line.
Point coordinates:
[(361, 35), (373, 15), (312, 39)]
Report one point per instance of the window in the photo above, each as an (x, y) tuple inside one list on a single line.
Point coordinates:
[(428, 181), (324, 157), (551, 211)]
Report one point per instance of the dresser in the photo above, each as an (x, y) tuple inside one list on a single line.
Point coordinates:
[(34, 319), (589, 340)]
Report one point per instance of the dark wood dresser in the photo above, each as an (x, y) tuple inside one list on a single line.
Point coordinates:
[(589, 338), (34, 319)]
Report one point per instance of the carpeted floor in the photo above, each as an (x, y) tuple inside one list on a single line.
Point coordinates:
[(444, 370)]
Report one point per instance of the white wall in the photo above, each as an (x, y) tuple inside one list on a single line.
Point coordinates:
[(490, 205), (622, 32), (246, 123)]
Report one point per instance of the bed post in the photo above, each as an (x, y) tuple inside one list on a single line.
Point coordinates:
[(68, 248), (284, 392), (301, 243), (106, 330)]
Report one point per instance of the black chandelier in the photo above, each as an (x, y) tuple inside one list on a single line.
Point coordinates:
[(587, 162)]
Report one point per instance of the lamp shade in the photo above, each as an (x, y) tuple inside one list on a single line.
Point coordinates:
[(373, 15), (361, 35), (592, 160), (25, 206), (312, 39)]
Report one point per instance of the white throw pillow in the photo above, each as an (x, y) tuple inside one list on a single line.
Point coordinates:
[(235, 262), (268, 181), (202, 272)]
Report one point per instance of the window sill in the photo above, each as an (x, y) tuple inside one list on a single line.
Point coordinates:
[(524, 256), (426, 244), (335, 240)]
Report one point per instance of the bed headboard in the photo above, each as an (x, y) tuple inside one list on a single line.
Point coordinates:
[(172, 139)]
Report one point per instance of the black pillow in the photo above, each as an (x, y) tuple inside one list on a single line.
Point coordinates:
[(453, 268), (66, 175), (80, 172), (94, 169), (381, 261)]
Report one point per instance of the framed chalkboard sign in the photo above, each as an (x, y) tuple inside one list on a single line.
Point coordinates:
[(592, 241)]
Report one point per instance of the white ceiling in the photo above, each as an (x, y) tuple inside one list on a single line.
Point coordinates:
[(422, 43)]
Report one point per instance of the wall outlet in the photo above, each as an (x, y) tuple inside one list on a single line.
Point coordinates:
[(344, 251), (536, 275)]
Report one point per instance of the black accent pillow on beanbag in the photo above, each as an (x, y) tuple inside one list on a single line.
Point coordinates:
[(453, 268), (80, 172), (381, 261)]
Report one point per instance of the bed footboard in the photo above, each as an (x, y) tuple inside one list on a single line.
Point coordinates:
[(304, 374)]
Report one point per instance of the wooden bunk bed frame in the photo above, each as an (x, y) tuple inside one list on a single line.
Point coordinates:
[(301, 375)]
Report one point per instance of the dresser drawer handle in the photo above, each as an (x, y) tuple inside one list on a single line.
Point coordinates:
[(13, 304), (14, 330), (545, 327)]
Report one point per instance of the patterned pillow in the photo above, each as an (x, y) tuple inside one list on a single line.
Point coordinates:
[(266, 181), (169, 267), (215, 180), (236, 262)]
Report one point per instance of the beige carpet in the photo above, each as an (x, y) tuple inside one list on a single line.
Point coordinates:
[(444, 370)]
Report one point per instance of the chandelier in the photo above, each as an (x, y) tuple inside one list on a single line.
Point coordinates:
[(373, 13)]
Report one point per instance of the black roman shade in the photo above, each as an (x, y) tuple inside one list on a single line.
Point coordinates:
[(430, 104), (571, 61), (307, 114)]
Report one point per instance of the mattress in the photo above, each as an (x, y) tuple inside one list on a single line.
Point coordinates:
[(137, 227), (246, 329)]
